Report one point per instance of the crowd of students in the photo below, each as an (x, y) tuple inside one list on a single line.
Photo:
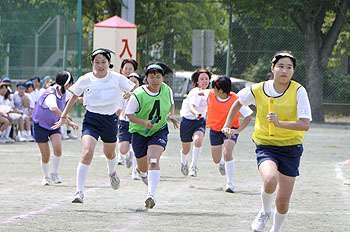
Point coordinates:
[(17, 105), (124, 106)]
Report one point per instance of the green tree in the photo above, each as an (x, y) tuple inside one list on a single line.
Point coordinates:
[(309, 17)]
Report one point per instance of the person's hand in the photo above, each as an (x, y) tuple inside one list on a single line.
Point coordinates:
[(198, 116), (72, 124), (273, 117), (174, 121), (127, 95), (227, 131), (148, 124), (60, 123)]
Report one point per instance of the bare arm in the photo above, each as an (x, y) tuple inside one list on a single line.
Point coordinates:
[(244, 123), (195, 112), (172, 118), (134, 119), (302, 124), (64, 118)]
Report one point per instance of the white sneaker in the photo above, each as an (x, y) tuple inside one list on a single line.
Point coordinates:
[(128, 159), (64, 136), (150, 201), (55, 179), (72, 136), (143, 176), (230, 188), (20, 138), (46, 181), (114, 179), (184, 169), (222, 169), (260, 221), (30, 138), (78, 197), (135, 175), (9, 140), (193, 171), (2, 141), (121, 160)]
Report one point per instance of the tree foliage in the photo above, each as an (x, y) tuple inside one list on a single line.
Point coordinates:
[(309, 18)]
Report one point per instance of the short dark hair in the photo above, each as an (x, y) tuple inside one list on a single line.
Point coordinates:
[(282, 54), (222, 82)]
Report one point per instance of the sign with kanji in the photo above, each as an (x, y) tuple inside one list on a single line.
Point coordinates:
[(118, 35)]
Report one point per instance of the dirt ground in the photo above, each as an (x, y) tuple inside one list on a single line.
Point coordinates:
[(320, 201)]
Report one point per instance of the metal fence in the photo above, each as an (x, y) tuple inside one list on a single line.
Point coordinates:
[(37, 48)]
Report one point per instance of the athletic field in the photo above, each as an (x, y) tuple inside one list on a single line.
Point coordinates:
[(320, 201)]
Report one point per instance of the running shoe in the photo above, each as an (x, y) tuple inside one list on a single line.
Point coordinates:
[(71, 135), (229, 189), (114, 179), (260, 221), (55, 179), (78, 197), (150, 202), (46, 181), (222, 169), (121, 160), (144, 177), (193, 171), (184, 169), (128, 159), (135, 175)]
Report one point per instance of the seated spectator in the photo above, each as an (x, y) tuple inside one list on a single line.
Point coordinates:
[(46, 84), (22, 103), (36, 84)]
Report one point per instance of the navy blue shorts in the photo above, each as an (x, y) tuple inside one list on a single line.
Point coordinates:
[(218, 138), (189, 126), (287, 158), (140, 143), (41, 135), (100, 125), (124, 134)]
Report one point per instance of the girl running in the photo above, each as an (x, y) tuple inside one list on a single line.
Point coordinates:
[(278, 155), (47, 111), (124, 135), (192, 126), (102, 94), (148, 110), (220, 100), (127, 67)]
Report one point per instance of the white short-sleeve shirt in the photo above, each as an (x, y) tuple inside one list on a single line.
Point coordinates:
[(246, 98), (102, 95), (200, 102)]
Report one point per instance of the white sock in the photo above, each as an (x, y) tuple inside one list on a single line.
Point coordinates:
[(7, 132), (183, 158), (153, 179), (134, 163), (55, 163), (82, 173), (196, 151), (266, 200), (222, 161), (28, 133), (46, 168), (127, 155), (278, 220), (1, 133), (111, 165), (23, 133), (230, 171)]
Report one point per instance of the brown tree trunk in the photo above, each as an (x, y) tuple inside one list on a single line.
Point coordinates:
[(314, 72)]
